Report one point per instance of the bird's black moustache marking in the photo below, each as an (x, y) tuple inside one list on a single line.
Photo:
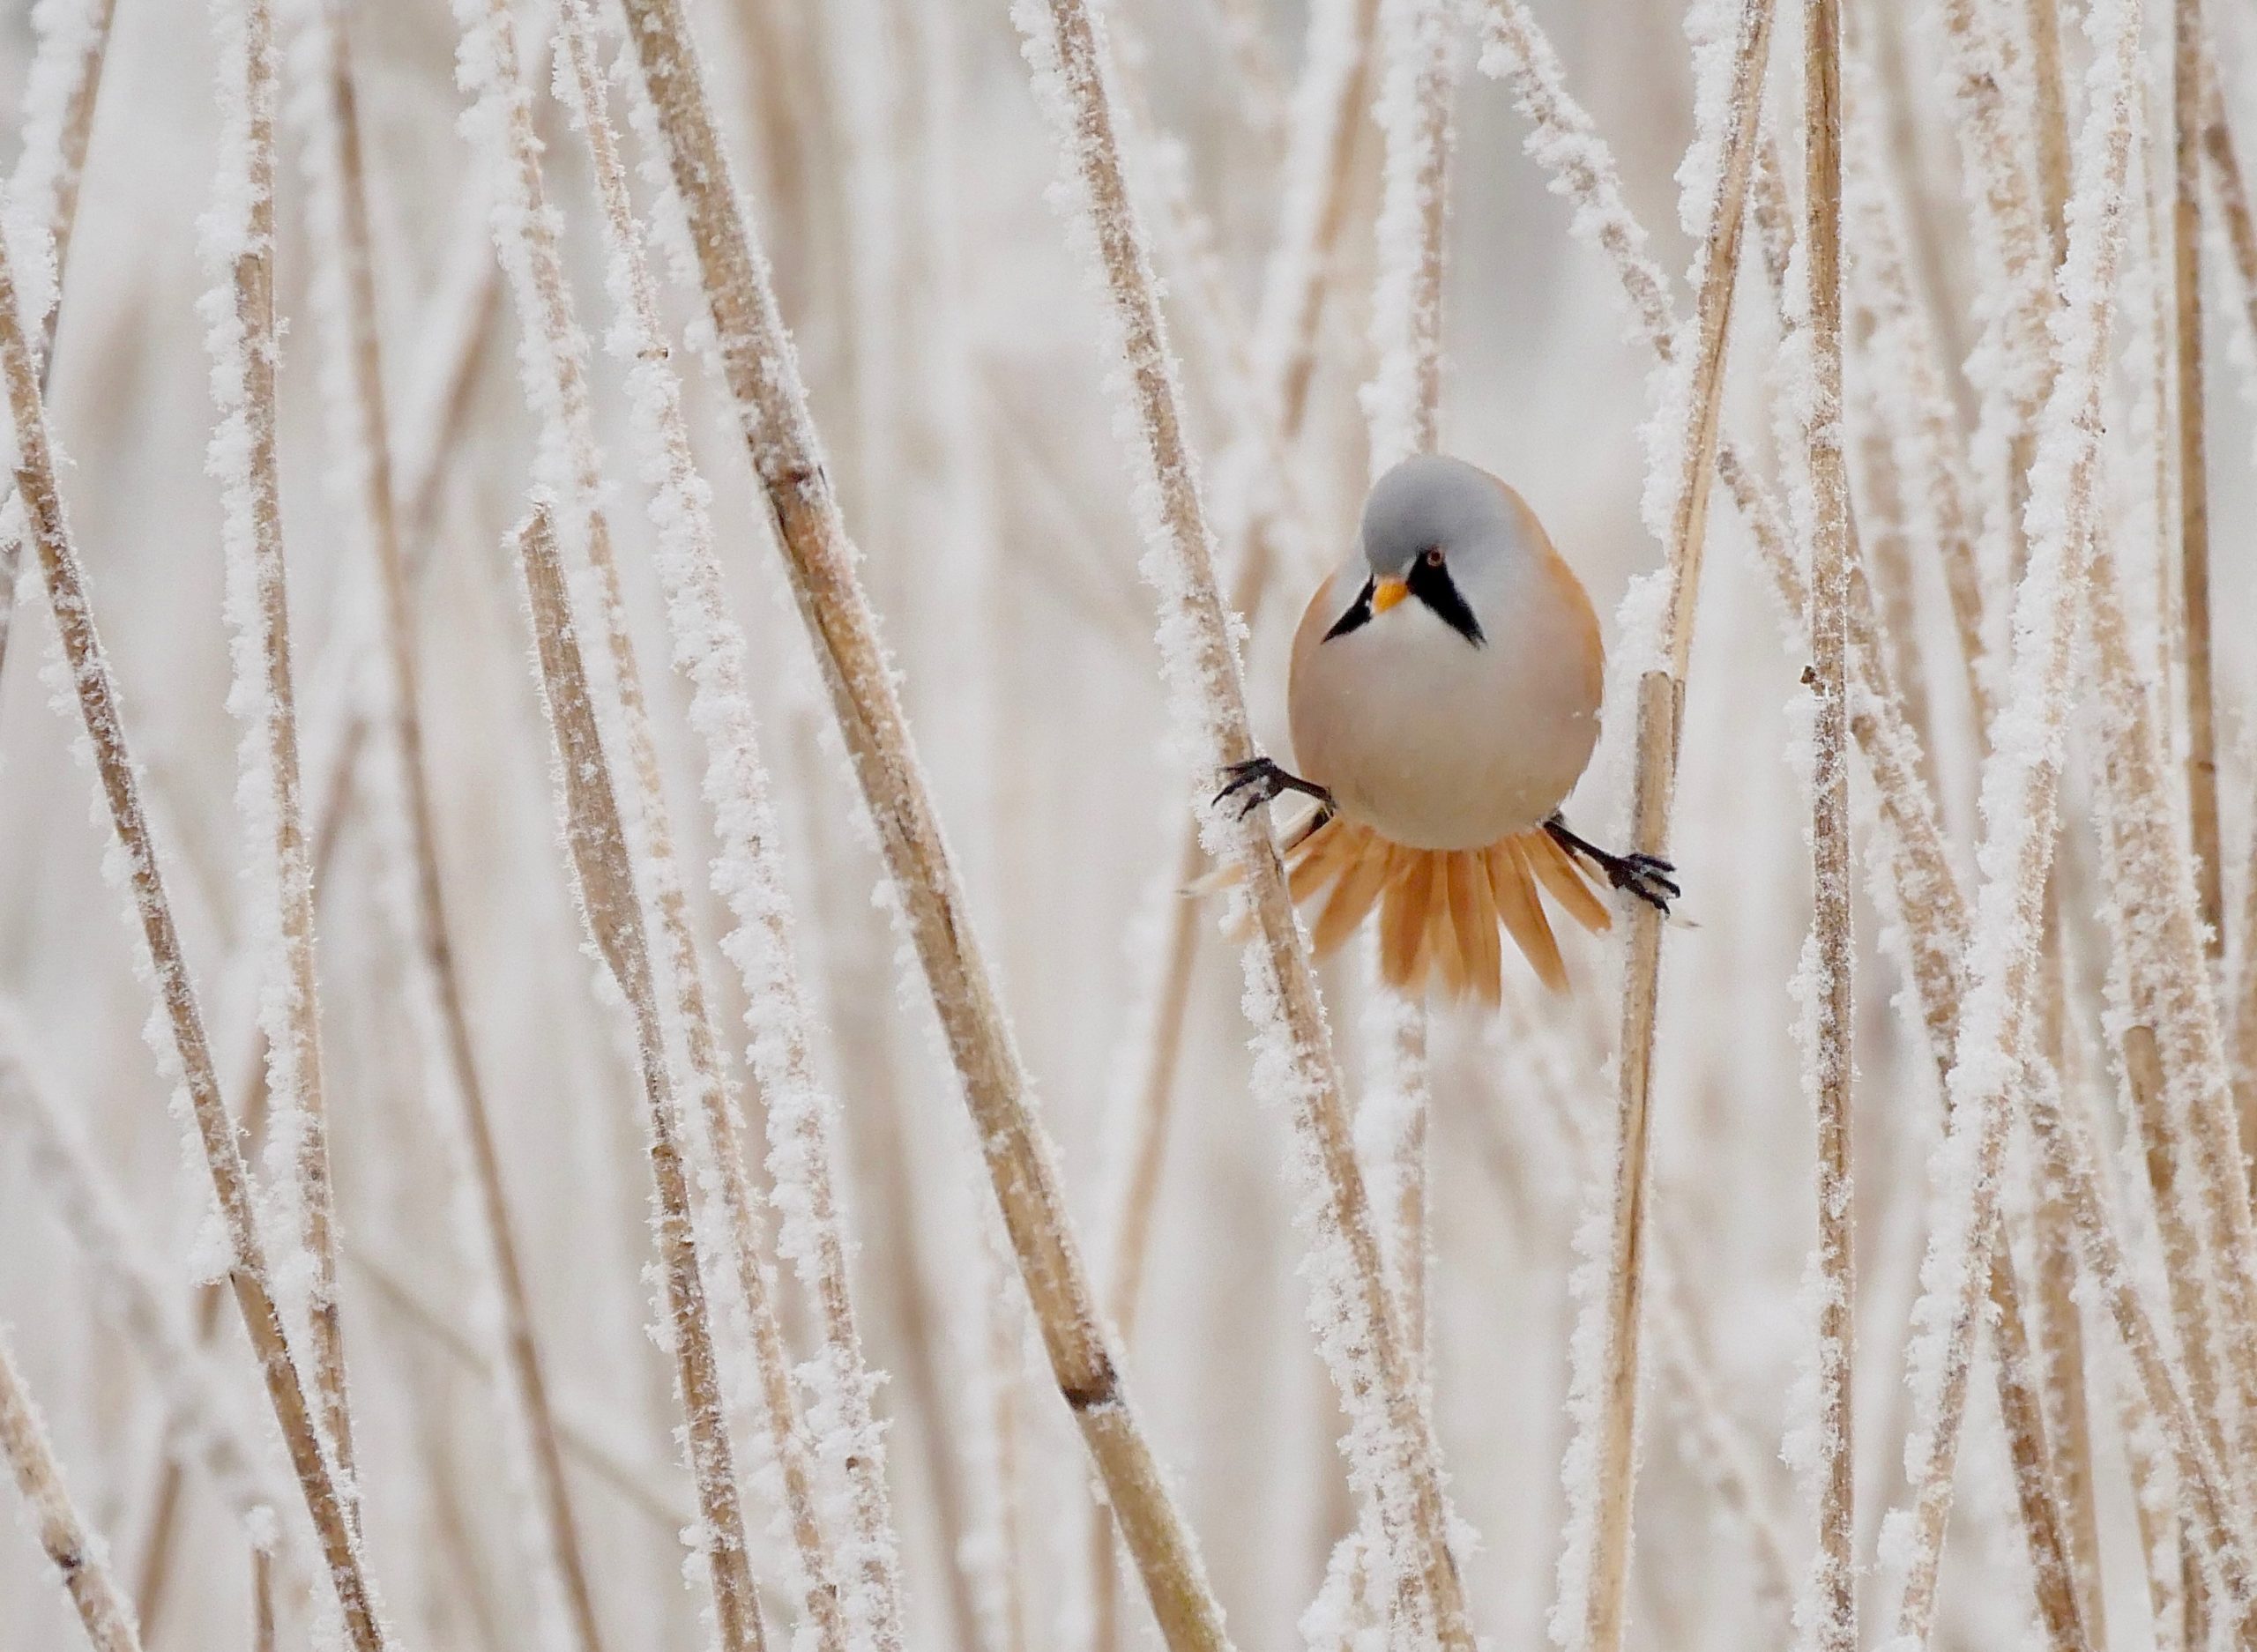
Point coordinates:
[(1431, 583), (1358, 614)]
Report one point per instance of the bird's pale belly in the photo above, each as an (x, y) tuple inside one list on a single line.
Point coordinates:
[(1443, 746)]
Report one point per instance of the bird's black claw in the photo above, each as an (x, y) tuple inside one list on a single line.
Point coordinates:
[(1649, 877), (1263, 781)]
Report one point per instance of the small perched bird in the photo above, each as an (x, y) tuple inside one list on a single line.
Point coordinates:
[(1443, 701)]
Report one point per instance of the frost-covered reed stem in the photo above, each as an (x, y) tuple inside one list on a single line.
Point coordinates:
[(262, 1597), (2186, 55), (175, 988), (1829, 1615), (1393, 1458), (238, 234), (79, 1556), (352, 244), (2050, 111), (1600, 1523), (711, 650), (760, 368), (610, 905)]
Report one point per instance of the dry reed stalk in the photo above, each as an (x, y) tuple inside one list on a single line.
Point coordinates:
[(2050, 110), (65, 81), (262, 1598), (2186, 55), (245, 344), (760, 370), (1660, 707), (175, 988), (522, 1367), (1833, 1624), (526, 237), (199, 1411), (583, 1438), (1327, 110), (611, 906), (78, 1555), (1393, 1455), (712, 650)]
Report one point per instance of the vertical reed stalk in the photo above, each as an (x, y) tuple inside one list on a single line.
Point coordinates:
[(522, 1365), (2187, 54), (711, 650), (1835, 1606), (1660, 710), (246, 348), (78, 1554), (604, 875), (176, 991), (760, 368)]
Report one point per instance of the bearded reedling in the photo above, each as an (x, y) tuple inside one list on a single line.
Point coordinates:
[(1443, 701)]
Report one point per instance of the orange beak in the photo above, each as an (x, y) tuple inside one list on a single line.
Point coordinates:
[(1387, 592)]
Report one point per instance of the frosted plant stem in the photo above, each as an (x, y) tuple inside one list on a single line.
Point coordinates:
[(245, 346), (1595, 1622), (712, 653), (59, 120), (79, 1557), (1393, 1457), (604, 875), (200, 1414), (175, 989), (1830, 1622), (522, 1365), (262, 1597), (2051, 113), (760, 370), (2186, 55)]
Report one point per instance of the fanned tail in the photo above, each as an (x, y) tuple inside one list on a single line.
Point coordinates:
[(1442, 912)]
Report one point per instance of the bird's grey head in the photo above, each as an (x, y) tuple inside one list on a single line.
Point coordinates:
[(1431, 504)]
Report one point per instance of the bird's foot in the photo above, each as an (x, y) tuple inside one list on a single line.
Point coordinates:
[(1651, 878), (1258, 780)]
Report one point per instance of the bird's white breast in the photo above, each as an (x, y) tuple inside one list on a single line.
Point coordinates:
[(1437, 743)]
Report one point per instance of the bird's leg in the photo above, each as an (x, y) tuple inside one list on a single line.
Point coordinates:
[(1258, 780), (1649, 877)]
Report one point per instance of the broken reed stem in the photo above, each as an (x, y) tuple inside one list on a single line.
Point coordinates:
[(1835, 1571), (262, 1597), (175, 990), (522, 1367), (748, 875), (760, 368), (2186, 55), (79, 1557), (246, 456), (1660, 706), (611, 906), (1394, 1454)]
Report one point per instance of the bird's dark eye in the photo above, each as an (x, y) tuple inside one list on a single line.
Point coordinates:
[(1434, 556)]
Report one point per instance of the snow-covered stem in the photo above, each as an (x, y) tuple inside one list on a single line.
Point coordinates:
[(711, 650), (81, 1556), (759, 367), (2050, 112), (2187, 58), (238, 235), (1828, 1613), (1595, 1552), (344, 234), (610, 907), (200, 1414), (1404, 402), (191, 1062), (1392, 1455), (262, 1597)]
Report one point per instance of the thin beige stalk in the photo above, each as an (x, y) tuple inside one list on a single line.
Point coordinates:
[(262, 1598), (78, 1554), (245, 362), (1392, 1450), (1660, 708), (522, 1365), (175, 990), (1834, 1570), (75, 127), (760, 370), (2050, 111), (748, 875), (2186, 55), (604, 873)]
